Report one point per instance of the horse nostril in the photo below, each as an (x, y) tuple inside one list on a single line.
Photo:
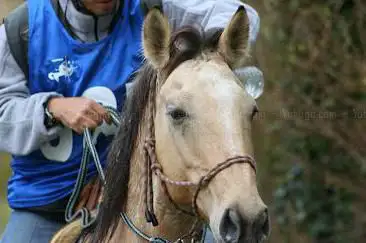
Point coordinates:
[(263, 223), (230, 226)]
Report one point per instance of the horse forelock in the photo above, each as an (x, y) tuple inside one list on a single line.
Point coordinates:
[(186, 43)]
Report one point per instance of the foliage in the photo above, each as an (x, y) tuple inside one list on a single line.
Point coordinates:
[(313, 56), (325, 219)]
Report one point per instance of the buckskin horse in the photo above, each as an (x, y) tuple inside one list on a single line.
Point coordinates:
[(184, 144)]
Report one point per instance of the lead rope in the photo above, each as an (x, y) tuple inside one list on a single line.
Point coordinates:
[(88, 148)]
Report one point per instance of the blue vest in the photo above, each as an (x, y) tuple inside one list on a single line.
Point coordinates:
[(99, 71)]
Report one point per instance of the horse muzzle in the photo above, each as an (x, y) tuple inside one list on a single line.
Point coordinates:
[(236, 227)]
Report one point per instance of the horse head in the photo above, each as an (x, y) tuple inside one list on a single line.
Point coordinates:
[(186, 133), (203, 117)]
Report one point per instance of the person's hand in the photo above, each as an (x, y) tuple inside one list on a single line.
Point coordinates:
[(78, 113)]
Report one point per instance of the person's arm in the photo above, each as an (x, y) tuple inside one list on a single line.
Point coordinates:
[(210, 14), (22, 128)]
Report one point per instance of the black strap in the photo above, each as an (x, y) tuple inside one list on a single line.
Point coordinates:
[(16, 27)]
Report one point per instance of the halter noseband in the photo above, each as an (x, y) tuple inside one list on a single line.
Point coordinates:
[(153, 166)]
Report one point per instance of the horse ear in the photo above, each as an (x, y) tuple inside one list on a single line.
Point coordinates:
[(233, 43), (156, 38)]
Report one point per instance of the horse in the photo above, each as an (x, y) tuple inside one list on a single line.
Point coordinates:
[(183, 155)]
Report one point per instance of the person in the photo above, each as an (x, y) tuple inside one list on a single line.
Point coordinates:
[(61, 63)]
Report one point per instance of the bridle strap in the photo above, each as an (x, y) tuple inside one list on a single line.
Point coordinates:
[(153, 165), (156, 167), (205, 180), (149, 192)]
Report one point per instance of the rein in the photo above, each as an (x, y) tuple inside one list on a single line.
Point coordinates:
[(88, 148)]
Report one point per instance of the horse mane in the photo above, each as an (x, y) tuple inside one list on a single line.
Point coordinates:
[(186, 43)]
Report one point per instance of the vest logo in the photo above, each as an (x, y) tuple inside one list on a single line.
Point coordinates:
[(63, 68)]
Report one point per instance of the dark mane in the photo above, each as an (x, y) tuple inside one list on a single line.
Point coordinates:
[(186, 43)]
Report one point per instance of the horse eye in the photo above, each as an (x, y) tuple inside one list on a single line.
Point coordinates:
[(178, 114)]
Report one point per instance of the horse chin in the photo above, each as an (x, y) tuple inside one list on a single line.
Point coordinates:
[(251, 239), (218, 239)]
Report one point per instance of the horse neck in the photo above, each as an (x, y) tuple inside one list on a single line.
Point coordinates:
[(172, 223)]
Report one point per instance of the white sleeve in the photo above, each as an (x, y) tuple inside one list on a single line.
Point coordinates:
[(209, 13), (22, 129)]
